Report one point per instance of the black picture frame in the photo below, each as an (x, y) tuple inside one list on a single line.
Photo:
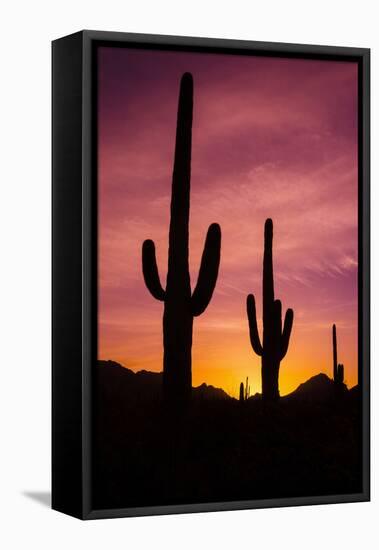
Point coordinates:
[(74, 294)]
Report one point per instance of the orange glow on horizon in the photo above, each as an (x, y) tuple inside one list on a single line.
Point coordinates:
[(225, 360)]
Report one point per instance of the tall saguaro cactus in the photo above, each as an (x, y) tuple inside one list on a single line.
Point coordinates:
[(180, 306), (275, 337), (338, 368)]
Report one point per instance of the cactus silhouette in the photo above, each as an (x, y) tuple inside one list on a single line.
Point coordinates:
[(340, 374), (338, 368), (247, 389), (180, 306), (242, 397), (275, 338)]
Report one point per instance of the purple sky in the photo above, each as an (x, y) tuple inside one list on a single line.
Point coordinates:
[(271, 138)]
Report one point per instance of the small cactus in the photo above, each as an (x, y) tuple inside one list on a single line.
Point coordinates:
[(338, 368), (247, 389), (242, 397), (275, 337)]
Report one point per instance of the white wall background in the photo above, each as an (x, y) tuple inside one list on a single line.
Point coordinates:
[(27, 29)]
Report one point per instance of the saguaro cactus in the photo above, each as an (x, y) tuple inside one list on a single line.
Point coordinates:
[(275, 338), (180, 307), (338, 368)]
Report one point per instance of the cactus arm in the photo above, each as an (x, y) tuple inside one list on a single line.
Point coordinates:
[(340, 373), (275, 331), (150, 270), (209, 266), (287, 328), (277, 311), (253, 327)]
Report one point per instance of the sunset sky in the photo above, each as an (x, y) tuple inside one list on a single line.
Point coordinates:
[(272, 137)]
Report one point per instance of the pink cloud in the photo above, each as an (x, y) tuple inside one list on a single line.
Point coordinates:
[(271, 138)]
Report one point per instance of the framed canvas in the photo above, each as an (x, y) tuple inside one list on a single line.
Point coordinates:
[(210, 275)]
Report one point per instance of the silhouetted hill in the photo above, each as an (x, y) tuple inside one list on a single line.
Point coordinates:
[(145, 384), (309, 443), (256, 397), (318, 388), (209, 392), (141, 385), (355, 391)]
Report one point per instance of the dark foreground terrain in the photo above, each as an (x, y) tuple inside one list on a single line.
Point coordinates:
[(307, 444)]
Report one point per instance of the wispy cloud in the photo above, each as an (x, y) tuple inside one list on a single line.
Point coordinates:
[(269, 140)]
